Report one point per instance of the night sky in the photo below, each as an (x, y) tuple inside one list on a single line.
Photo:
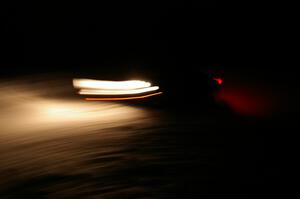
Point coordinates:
[(139, 34), (56, 36)]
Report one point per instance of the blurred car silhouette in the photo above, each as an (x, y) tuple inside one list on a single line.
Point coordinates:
[(166, 89)]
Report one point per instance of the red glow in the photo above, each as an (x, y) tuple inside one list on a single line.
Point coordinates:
[(218, 80), (247, 101), (251, 94)]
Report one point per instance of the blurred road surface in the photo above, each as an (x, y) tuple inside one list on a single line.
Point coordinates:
[(55, 145)]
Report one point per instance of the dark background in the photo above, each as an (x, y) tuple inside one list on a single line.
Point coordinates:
[(176, 35), (75, 35)]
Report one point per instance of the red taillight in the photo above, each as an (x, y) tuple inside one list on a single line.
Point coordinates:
[(218, 80)]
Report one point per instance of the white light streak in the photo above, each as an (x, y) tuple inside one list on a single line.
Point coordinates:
[(116, 92), (112, 85)]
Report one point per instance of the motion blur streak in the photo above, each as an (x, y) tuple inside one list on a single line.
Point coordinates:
[(51, 132), (122, 98), (119, 85), (55, 145), (117, 92), (26, 109)]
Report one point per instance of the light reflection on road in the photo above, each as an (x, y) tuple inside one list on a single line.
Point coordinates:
[(29, 109), (30, 115), (57, 145)]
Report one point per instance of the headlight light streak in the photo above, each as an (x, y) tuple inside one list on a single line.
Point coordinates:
[(114, 90), (122, 98), (111, 85)]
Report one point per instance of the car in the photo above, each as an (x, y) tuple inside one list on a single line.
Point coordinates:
[(165, 91)]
